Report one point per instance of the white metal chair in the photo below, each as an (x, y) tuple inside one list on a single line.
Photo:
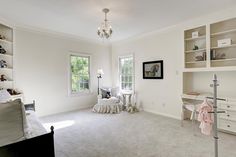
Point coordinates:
[(192, 108)]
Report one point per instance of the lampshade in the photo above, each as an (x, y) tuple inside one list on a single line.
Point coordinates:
[(100, 72)]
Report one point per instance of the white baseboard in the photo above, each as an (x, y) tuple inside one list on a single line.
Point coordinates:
[(162, 114)]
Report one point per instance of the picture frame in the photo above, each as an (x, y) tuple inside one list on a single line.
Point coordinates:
[(153, 70)]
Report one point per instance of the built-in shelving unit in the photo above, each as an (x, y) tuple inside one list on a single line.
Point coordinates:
[(206, 44), (195, 48), (6, 54), (217, 41), (218, 31)]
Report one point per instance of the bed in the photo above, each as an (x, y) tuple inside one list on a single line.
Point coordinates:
[(22, 134)]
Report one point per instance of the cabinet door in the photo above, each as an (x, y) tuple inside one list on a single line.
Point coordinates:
[(227, 106), (227, 125), (228, 115)]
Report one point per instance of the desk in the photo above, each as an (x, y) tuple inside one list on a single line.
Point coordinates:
[(227, 120), (200, 97), (190, 103)]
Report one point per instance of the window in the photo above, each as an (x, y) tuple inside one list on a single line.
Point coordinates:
[(126, 73), (80, 73)]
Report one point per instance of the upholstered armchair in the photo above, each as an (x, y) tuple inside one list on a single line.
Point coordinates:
[(109, 101)]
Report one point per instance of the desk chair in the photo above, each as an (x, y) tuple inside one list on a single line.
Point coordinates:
[(192, 108)]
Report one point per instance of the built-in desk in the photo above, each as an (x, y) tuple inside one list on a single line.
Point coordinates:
[(196, 97), (227, 120)]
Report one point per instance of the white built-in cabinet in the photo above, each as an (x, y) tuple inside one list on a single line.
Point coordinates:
[(202, 52), (227, 120), (6, 43), (204, 56)]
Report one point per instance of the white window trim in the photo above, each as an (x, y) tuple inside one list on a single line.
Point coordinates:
[(88, 92), (133, 78)]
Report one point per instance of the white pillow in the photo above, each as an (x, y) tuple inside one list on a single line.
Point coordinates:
[(11, 122), (115, 91), (4, 96)]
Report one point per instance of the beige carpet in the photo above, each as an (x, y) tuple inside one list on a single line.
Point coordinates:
[(87, 134)]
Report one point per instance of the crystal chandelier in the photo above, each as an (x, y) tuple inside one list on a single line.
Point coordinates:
[(105, 30)]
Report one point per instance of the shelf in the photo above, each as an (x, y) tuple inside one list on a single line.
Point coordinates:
[(192, 51), (8, 81), (228, 68), (224, 32), (8, 55), (200, 37), (233, 45), (5, 41), (9, 68), (195, 62), (223, 60)]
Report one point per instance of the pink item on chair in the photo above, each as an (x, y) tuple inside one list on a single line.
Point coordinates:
[(205, 117)]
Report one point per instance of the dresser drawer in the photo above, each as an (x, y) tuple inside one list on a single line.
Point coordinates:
[(227, 106), (229, 115), (227, 125)]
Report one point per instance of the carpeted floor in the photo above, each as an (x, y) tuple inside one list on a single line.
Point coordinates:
[(87, 134)]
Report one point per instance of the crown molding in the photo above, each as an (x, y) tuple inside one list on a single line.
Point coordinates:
[(60, 34), (188, 24)]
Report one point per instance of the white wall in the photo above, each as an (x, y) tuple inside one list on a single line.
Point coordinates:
[(41, 70), (41, 66), (200, 82), (162, 96)]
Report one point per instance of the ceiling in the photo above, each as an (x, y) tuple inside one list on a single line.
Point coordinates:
[(128, 17)]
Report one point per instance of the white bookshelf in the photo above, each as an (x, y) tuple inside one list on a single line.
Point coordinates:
[(215, 56), (218, 31), (7, 44), (195, 46)]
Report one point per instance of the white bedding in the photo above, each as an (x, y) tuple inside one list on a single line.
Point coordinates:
[(14, 126), (35, 126)]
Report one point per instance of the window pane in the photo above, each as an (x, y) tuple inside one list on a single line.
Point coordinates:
[(122, 86), (126, 79), (126, 71), (123, 78), (79, 73), (75, 83), (130, 78)]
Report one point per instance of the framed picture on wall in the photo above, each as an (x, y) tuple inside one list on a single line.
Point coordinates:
[(153, 70)]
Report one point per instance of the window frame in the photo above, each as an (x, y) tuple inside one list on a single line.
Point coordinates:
[(89, 91), (119, 72)]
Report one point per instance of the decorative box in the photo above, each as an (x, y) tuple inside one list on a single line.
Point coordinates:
[(195, 34), (224, 42)]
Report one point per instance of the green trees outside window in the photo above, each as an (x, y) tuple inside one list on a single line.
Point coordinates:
[(80, 75)]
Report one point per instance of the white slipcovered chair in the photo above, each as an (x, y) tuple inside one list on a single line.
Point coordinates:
[(109, 105)]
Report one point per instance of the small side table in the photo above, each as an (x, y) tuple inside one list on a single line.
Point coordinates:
[(125, 96)]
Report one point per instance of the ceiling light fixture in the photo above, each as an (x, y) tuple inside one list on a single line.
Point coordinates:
[(105, 30)]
